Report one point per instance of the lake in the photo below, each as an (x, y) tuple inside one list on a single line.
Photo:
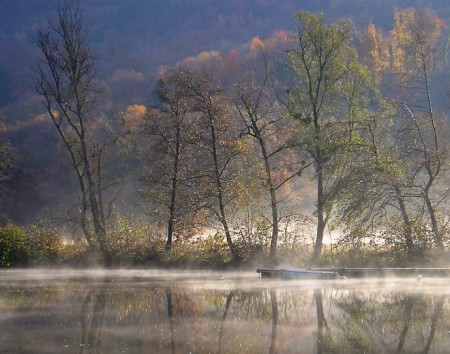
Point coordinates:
[(150, 311)]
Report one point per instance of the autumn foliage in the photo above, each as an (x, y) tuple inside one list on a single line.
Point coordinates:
[(394, 50)]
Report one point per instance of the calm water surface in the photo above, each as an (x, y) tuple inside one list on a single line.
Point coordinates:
[(137, 311)]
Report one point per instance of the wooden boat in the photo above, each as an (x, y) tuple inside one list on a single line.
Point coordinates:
[(291, 273), (333, 273)]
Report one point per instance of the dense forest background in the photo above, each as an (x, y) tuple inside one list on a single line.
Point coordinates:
[(133, 43)]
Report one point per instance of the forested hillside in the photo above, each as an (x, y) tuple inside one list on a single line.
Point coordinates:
[(140, 35), (203, 120)]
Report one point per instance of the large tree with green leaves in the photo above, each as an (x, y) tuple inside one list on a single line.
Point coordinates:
[(375, 197), (398, 186), (324, 98)]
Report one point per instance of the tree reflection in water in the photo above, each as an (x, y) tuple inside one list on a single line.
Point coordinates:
[(224, 317), (92, 317), (438, 310), (274, 303), (408, 306), (389, 323), (321, 321), (169, 317)]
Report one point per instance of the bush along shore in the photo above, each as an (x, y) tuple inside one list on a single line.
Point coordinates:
[(137, 245)]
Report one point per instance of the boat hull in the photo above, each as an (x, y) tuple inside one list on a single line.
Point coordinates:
[(296, 274)]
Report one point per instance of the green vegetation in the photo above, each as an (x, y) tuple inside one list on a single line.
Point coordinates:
[(45, 244), (137, 244), (14, 246)]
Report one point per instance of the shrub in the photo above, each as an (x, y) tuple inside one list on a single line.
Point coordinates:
[(212, 251), (133, 242), (45, 243), (180, 254), (76, 253), (14, 247)]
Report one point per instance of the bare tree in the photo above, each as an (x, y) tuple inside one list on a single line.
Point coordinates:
[(415, 76), (214, 137), (6, 153), (170, 160), (8, 160), (66, 83), (265, 121)]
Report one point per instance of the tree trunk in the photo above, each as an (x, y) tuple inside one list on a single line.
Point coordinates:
[(321, 223), (219, 191), (272, 192), (173, 197), (437, 235), (407, 226)]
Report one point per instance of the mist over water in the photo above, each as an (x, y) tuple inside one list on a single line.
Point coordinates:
[(160, 311)]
